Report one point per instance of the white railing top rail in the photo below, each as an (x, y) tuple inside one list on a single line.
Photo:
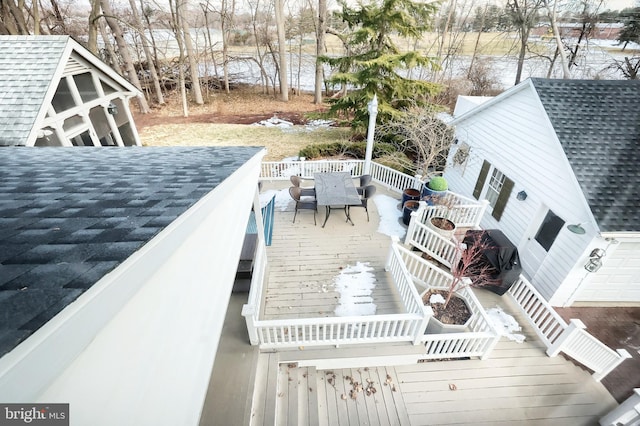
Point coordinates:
[(427, 240), (293, 322), (393, 179), (521, 283), (283, 170), (258, 278), (412, 300)]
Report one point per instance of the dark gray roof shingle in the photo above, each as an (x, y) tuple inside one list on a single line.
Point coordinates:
[(27, 67), (598, 125), (68, 216)]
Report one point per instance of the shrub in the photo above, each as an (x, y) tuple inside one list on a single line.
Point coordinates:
[(346, 149), (397, 161), (438, 183)]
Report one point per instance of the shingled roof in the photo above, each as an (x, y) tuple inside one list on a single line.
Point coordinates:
[(598, 125), (30, 69), (69, 216)]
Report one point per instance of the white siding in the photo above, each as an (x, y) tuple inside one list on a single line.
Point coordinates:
[(513, 133), (152, 362), (619, 278)]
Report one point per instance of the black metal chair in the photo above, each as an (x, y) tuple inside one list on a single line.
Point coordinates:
[(364, 180), (305, 198), (365, 193)]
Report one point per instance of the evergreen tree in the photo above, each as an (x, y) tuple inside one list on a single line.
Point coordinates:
[(631, 30), (375, 65)]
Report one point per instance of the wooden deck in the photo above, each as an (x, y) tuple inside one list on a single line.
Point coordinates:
[(304, 261), (518, 384)]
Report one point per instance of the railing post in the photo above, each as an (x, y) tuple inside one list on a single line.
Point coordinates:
[(574, 326), (627, 413), (248, 312), (484, 204), (422, 328), (417, 182), (622, 355), (412, 222), (394, 240)]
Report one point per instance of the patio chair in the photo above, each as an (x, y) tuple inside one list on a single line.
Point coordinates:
[(298, 182), (305, 198), (365, 193), (364, 180)]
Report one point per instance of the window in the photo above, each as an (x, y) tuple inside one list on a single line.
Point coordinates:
[(85, 85), (498, 189), (495, 186), (549, 230), (63, 100)]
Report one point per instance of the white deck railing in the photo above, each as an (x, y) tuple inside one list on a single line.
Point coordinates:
[(283, 170), (558, 336), (481, 339), (382, 175), (430, 242), (406, 326), (463, 211)]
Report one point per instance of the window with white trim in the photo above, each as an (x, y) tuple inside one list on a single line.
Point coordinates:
[(495, 186)]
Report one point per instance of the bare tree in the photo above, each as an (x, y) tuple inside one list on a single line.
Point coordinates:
[(423, 137), (321, 29), (629, 67), (556, 35), (282, 54), (137, 22), (12, 19), (192, 55), (524, 14), (176, 26), (116, 30)]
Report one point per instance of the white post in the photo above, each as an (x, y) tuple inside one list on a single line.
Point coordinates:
[(394, 240), (373, 112), (627, 413), (622, 355), (248, 312), (558, 345), (422, 328)]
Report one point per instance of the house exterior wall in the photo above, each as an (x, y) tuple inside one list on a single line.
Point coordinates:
[(513, 133), (142, 341), (618, 281)]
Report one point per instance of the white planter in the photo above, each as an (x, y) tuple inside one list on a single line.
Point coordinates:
[(445, 233), (435, 326)]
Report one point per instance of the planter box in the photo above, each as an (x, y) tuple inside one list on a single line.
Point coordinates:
[(445, 233), (435, 326)]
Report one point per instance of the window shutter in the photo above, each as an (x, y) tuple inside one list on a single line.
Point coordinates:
[(505, 192), (481, 179)]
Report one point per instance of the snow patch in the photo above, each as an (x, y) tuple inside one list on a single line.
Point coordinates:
[(355, 285), (390, 216), (505, 324), (436, 298)]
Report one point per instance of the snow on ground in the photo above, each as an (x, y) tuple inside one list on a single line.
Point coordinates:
[(505, 324), (355, 285), (390, 216)]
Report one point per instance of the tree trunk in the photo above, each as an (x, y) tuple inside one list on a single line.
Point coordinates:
[(225, 46), (115, 64), (124, 52), (176, 26), (92, 44), (282, 54), (523, 50), (320, 49), (147, 52), (566, 74), (193, 57)]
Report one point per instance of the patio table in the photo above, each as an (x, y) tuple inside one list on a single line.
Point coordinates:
[(336, 189)]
